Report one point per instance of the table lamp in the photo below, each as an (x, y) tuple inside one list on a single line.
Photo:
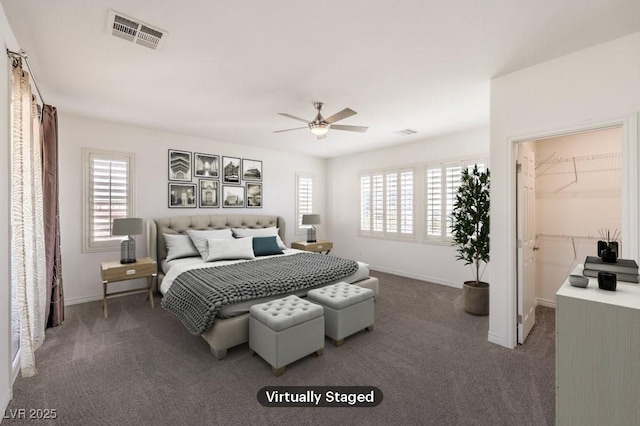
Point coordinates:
[(311, 219), (128, 226)]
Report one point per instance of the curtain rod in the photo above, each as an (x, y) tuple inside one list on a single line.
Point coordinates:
[(22, 54)]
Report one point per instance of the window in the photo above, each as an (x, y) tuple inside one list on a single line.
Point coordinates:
[(304, 199), (386, 203), (108, 191), (442, 183)]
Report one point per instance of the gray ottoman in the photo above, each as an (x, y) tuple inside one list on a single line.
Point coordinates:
[(347, 309), (284, 330)]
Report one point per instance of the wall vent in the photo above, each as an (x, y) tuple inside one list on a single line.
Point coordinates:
[(405, 132), (135, 31)]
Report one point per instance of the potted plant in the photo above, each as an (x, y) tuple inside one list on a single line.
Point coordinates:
[(470, 229)]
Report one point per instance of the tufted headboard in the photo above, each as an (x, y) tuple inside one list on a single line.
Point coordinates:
[(157, 248)]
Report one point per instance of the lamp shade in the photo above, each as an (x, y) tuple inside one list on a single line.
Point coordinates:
[(128, 226), (310, 219)]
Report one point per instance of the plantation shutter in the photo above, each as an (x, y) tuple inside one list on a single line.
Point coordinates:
[(392, 202), (453, 176), (406, 202), (434, 202), (365, 203), (109, 195), (304, 198), (387, 202), (377, 205)]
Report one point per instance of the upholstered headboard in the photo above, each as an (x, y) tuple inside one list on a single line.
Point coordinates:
[(157, 248)]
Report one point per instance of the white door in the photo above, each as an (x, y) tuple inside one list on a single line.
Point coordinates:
[(526, 179)]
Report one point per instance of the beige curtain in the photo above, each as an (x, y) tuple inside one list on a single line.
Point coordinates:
[(27, 244)]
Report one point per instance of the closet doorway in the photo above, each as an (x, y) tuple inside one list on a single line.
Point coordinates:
[(572, 196)]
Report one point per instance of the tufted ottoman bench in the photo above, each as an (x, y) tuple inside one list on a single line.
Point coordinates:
[(347, 309), (284, 330)]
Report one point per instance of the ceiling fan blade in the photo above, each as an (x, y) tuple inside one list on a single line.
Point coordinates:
[(347, 112), (287, 130), (284, 114), (321, 136), (360, 129)]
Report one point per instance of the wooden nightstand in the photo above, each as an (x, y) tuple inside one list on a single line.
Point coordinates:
[(317, 247), (116, 271)]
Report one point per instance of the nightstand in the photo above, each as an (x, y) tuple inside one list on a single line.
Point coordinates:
[(317, 247), (116, 271)]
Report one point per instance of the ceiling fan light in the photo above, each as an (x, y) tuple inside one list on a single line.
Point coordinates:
[(319, 129)]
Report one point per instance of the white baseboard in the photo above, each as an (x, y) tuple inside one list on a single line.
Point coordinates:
[(498, 340), (78, 300), (417, 277), (546, 302)]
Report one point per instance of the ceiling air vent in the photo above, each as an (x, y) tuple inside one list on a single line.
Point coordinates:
[(405, 132), (133, 30)]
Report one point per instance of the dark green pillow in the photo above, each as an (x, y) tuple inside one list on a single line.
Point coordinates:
[(265, 246)]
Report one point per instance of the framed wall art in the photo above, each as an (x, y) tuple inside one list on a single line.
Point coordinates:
[(233, 196), (254, 195), (252, 170), (231, 170), (209, 193), (179, 165), (206, 165), (182, 195)]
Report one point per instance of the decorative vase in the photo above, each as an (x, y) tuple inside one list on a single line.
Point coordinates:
[(475, 299)]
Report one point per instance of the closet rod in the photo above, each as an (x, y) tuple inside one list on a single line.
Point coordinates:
[(22, 54)]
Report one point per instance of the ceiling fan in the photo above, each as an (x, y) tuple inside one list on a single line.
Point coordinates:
[(320, 126)]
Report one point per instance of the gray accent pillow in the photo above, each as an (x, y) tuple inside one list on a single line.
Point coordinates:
[(200, 238), (179, 246), (259, 232), (241, 248)]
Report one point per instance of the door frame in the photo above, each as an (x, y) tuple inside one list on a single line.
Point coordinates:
[(630, 197)]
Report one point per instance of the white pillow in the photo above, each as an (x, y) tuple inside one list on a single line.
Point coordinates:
[(179, 245), (200, 238), (242, 248), (259, 232)]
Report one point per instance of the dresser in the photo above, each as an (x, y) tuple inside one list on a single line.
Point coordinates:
[(597, 354)]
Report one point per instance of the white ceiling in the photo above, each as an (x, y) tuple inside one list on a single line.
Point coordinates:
[(228, 67)]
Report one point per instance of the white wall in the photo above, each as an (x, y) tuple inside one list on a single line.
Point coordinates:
[(7, 40), (579, 209), (425, 261), (575, 91), (81, 271)]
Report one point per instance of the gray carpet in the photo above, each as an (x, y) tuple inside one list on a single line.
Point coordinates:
[(431, 360)]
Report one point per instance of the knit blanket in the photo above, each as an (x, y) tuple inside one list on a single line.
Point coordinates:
[(196, 296)]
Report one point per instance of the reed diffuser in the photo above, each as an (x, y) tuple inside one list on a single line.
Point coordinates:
[(608, 245)]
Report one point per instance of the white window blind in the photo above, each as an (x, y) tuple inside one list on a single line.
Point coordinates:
[(109, 195), (365, 203), (304, 199), (442, 183), (387, 203)]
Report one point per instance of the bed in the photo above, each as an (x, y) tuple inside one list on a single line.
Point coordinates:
[(231, 327)]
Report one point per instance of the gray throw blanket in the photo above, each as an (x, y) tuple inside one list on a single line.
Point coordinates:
[(196, 296)]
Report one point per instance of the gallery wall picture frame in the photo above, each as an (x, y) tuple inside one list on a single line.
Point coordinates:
[(251, 170), (209, 194), (231, 170), (206, 165), (233, 196), (182, 195), (254, 195), (179, 165)]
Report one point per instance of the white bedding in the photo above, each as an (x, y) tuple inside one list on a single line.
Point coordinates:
[(175, 267)]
